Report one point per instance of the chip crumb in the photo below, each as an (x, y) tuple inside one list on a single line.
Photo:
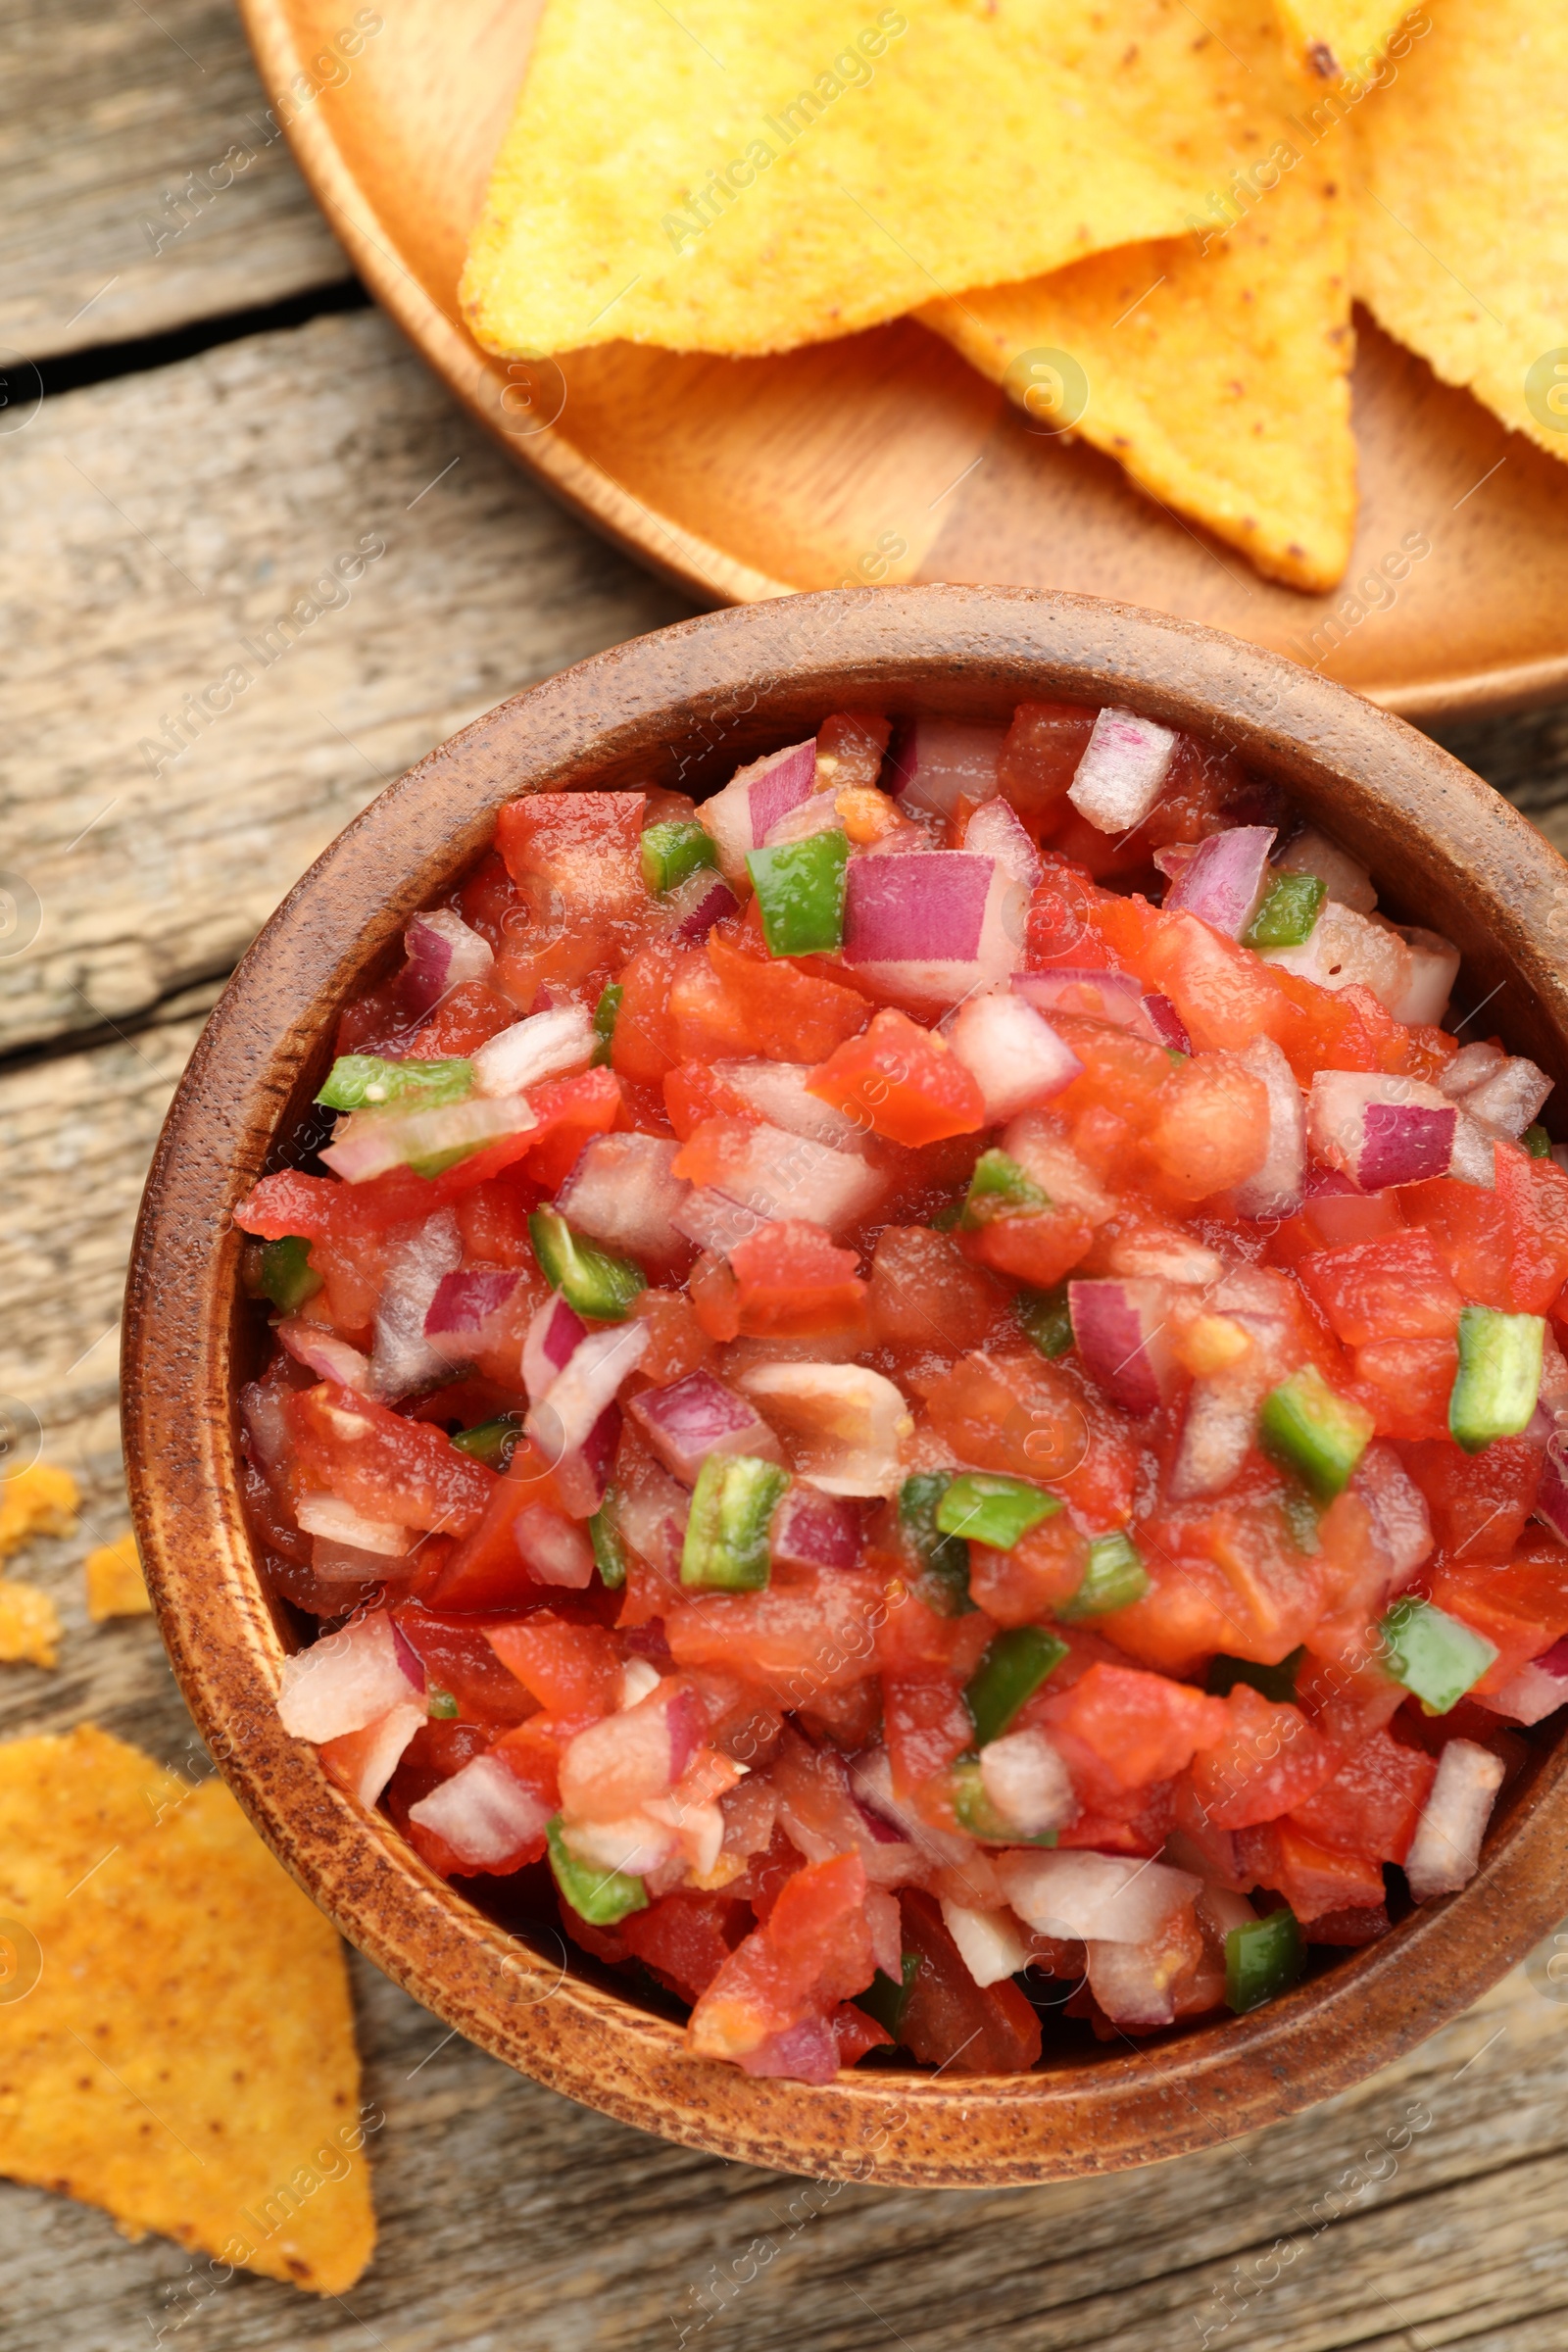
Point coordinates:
[(147, 1925), (40, 1500), (115, 1586), (30, 1625)]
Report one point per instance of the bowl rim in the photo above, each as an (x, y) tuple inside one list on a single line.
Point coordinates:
[(688, 702)]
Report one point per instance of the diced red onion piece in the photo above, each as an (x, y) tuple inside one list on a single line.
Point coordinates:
[(367, 1143), (988, 1942), (1551, 1496), (1119, 1329), (872, 1786), (1226, 878), (621, 1193), (544, 1046), (740, 817), (1380, 1131), (652, 1517), (813, 1530), (806, 2052), (335, 1521), (553, 1547), (1434, 968), (1115, 996), (1535, 1692), (363, 1762), (1079, 1894), (464, 1301), (561, 1421), (692, 1418), (938, 761), (777, 1090), (1122, 772), (485, 1814), (1166, 1022), (443, 953), (1446, 1852), (994, 830), (702, 900), (553, 1336), (344, 1682), (401, 1355), (311, 1345), (1011, 1051), (818, 813), (845, 1422), (1275, 1191), (927, 930)]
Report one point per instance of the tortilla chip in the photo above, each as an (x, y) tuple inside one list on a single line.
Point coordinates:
[(872, 160), (1461, 233), (1216, 368), (115, 1586), (30, 1625), (1326, 38), (38, 1501), (176, 2044)]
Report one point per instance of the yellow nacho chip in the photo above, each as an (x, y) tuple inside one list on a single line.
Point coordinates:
[(40, 1500), (29, 1625), (1325, 37), (1216, 368), (746, 175), (176, 2044), (1462, 206), (115, 1586)]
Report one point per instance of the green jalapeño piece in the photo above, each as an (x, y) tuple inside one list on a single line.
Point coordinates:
[(726, 1533), (1001, 1187), (1307, 1429), (1288, 911), (492, 1442), (1261, 1959), (674, 849), (590, 1280), (985, 1507), (800, 892), (945, 1559), (609, 1543), (1043, 1318), (1115, 1578), (1432, 1654), (282, 1271), (367, 1082), (1015, 1665), (1498, 1380), (599, 1896), (605, 1014)]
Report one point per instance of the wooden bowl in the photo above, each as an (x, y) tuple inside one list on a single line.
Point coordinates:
[(686, 706)]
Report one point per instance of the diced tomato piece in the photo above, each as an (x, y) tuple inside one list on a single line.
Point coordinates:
[(378, 1022), (439, 1748), (643, 1047), (1226, 997), (1534, 1196), (1339, 1029), (1186, 1615), (913, 1641), (486, 1571), (686, 1937), (587, 846), (949, 2020), (1122, 1073), (571, 1111), (459, 1657), (695, 1092), (1066, 911), (1469, 1229), (1201, 784), (714, 1295), (1371, 1804), (1044, 1568), (466, 1017), (678, 1343), (1210, 1128), (1039, 1421), (793, 1282), (855, 2033), (1129, 1820), (1313, 1878), (926, 1727), (923, 1294), (290, 1201), (493, 1222), (387, 1467), (1136, 1727), (1522, 1608), (568, 1668), (1479, 1502), (1350, 1698), (1406, 1384), (784, 1014), (1336, 1221), (488, 897), (813, 1951), (903, 1081), (1267, 1764), (1040, 754), (815, 1633), (1037, 1248), (1395, 1288)]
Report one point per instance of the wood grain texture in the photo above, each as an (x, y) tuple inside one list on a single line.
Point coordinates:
[(161, 531), (128, 206)]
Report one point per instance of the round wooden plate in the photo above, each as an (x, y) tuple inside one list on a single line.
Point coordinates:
[(690, 703), (884, 456)]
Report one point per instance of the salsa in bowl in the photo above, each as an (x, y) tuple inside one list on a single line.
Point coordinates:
[(911, 1396)]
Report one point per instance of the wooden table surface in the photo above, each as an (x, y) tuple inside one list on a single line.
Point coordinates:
[(223, 416)]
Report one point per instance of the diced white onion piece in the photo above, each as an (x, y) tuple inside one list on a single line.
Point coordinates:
[(887, 1932), (544, 1046), (927, 930), (936, 763), (988, 1942), (1217, 1433), (367, 1143), (1535, 1692), (699, 1415), (1011, 1051), (1345, 948), (621, 1193), (363, 1762), (741, 817), (777, 1090), (347, 1679), (311, 1343), (553, 1547), (1310, 851), (634, 1844), (483, 1813), (1275, 1191), (1024, 1776), (1122, 772), (1102, 1898), (1401, 1526), (402, 1356), (817, 815), (443, 953), (1434, 968), (1475, 1154), (1120, 1329), (842, 1423), (338, 1522), (871, 1778), (1224, 880), (1467, 1069), (1037, 1143), (994, 830), (1132, 1982), (1445, 1850), (1115, 997), (1511, 1100), (711, 1220), (1378, 1130), (777, 1174)]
